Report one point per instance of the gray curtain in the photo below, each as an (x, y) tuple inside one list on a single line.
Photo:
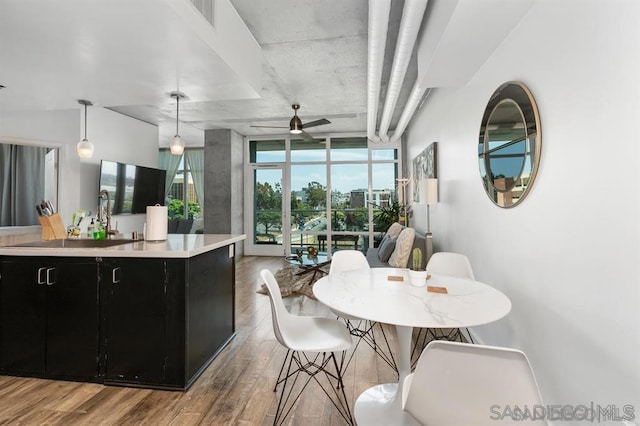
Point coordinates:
[(170, 163), (22, 170), (195, 158)]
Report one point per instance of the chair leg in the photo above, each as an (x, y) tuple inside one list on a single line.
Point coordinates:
[(367, 334), (279, 415), (311, 367), (284, 362)]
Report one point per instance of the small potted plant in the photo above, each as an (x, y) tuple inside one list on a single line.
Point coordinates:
[(417, 275)]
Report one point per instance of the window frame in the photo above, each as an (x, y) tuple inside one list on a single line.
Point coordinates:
[(328, 162)]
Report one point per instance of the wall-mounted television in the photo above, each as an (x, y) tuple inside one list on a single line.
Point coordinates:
[(132, 188)]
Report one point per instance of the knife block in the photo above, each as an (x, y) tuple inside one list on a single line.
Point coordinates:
[(52, 227)]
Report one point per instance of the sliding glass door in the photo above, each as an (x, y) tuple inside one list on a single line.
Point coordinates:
[(268, 236)]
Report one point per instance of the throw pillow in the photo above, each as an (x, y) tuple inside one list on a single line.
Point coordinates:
[(394, 230), (387, 246), (404, 244)]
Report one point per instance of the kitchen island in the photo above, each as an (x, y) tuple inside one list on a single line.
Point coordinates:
[(132, 313)]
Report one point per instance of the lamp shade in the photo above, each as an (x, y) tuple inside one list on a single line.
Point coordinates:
[(177, 145), (84, 149), (428, 191)]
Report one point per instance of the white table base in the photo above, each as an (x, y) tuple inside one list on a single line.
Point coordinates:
[(382, 404)]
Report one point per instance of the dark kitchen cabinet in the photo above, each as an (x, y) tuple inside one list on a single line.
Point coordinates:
[(49, 317), (166, 319), (148, 322), (138, 323)]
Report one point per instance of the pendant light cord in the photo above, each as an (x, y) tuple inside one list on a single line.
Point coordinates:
[(85, 121)]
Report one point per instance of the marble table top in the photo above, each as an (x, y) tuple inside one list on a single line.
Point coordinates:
[(369, 294)]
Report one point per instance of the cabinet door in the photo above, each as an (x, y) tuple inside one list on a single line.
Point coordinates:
[(72, 320), (22, 317), (211, 294), (136, 320)]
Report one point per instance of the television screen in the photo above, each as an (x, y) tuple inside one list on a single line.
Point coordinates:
[(132, 188)]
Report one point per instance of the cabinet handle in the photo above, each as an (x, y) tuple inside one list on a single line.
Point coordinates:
[(41, 278), (115, 275), (49, 280)]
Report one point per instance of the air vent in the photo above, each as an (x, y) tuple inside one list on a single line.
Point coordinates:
[(206, 9)]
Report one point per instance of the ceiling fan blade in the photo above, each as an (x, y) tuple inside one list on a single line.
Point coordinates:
[(306, 137), (316, 123), (272, 127)]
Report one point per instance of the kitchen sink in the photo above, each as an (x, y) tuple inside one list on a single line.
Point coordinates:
[(75, 243)]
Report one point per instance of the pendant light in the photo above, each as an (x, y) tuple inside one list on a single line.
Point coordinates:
[(84, 147), (177, 144)]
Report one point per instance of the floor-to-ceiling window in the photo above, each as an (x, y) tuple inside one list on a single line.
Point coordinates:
[(325, 193)]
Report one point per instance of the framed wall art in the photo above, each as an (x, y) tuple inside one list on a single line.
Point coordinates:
[(425, 166)]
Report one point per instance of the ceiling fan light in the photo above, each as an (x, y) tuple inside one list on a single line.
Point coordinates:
[(84, 149), (177, 145), (295, 125)]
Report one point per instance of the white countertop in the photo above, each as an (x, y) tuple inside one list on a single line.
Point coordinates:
[(175, 246)]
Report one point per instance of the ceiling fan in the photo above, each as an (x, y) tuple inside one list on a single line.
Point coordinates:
[(296, 127)]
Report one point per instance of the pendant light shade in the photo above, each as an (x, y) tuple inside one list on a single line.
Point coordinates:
[(84, 147), (177, 144)]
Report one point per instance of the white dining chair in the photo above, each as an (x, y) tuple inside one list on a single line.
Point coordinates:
[(463, 384), (363, 330), (453, 265), (312, 344)]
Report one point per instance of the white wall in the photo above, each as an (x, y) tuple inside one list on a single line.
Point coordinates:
[(116, 137), (568, 257)]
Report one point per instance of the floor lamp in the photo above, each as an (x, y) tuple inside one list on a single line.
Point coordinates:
[(429, 195)]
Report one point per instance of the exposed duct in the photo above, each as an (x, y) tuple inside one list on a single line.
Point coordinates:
[(416, 97), (412, 15), (379, 11)]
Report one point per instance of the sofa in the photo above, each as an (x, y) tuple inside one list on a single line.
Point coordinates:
[(378, 259)]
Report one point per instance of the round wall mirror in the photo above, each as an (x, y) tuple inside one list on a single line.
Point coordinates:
[(509, 147)]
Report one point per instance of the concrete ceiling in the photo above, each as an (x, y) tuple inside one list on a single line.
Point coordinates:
[(128, 55)]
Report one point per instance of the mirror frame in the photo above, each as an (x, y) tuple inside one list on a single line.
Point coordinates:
[(521, 96)]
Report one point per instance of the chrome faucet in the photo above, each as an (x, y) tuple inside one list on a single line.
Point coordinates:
[(101, 195)]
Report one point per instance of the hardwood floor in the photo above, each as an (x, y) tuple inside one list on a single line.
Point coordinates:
[(236, 389)]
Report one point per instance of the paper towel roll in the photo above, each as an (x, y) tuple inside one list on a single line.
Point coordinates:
[(157, 223)]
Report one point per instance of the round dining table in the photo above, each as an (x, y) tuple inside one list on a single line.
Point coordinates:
[(386, 295)]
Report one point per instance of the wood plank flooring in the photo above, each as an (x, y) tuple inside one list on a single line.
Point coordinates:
[(236, 389)]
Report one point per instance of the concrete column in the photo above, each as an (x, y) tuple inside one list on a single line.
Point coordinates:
[(224, 183)]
